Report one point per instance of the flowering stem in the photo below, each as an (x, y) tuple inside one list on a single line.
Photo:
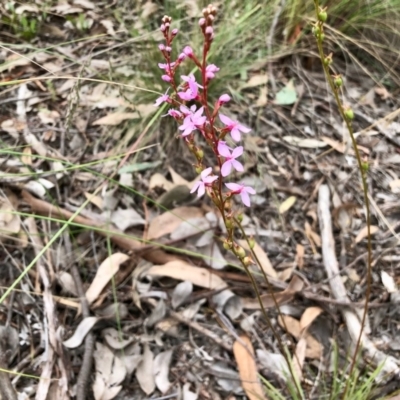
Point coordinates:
[(347, 115)]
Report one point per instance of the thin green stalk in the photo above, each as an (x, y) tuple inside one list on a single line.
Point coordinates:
[(347, 117)]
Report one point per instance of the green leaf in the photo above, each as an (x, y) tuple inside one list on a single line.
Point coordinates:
[(138, 167), (287, 95)]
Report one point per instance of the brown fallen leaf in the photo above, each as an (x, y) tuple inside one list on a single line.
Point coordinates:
[(287, 204), (166, 223), (363, 233), (104, 274), (114, 118), (295, 285), (291, 325), (308, 317), (299, 358), (262, 256), (244, 356), (185, 272), (80, 333)]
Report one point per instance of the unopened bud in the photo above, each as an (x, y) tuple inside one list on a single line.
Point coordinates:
[(162, 28), (174, 32), (328, 60), (227, 244), (224, 98), (239, 251), (199, 169), (252, 243), (229, 223), (338, 81), (199, 153), (349, 113), (209, 30), (168, 49), (247, 261), (240, 217), (322, 15), (202, 22), (161, 47)]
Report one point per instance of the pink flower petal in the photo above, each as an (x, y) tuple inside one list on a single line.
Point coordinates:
[(237, 152), (235, 135), (226, 168), (224, 119), (202, 189), (205, 172), (237, 165), (195, 186), (234, 186), (245, 198), (223, 149)]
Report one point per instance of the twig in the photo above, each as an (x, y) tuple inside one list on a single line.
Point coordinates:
[(206, 332), (87, 360), (269, 42), (387, 363), (7, 391)]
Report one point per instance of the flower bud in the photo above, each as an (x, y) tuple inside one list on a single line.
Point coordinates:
[(229, 223), (174, 32), (199, 153), (252, 243), (166, 78), (188, 51), (224, 98), (322, 36), (202, 22), (162, 28), (239, 251), (161, 47), (199, 169), (227, 244), (349, 113), (239, 217), (338, 81), (247, 261), (316, 30), (168, 49), (322, 16), (209, 30)]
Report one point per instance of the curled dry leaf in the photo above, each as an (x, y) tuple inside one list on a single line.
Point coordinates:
[(181, 292), (110, 372), (145, 371), (287, 204), (275, 363), (244, 356), (166, 223), (262, 257), (114, 118), (80, 333), (314, 348), (309, 315), (124, 219), (363, 233), (185, 272), (108, 268), (161, 370), (114, 340)]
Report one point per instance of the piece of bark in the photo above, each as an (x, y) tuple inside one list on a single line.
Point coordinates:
[(370, 352)]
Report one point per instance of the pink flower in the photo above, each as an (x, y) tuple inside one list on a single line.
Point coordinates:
[(174, 113), (234, 127), (166, 78), (191, 80), (166, 67), (211, 70), (244, 192), (193, 120), (230, 158), (224, 98), (188, 51), (188, 95), (206, 181), (162, 99)]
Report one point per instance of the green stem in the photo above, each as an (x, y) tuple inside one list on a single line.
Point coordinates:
[(335, 92)]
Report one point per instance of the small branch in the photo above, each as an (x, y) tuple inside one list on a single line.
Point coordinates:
[(87, 360), (339, 292)]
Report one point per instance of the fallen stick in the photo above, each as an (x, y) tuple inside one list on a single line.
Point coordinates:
[(154, 255), (387, 363)]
